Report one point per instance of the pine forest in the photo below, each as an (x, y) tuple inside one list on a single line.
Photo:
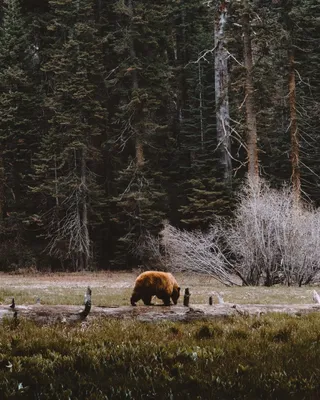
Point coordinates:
[(118, 115)]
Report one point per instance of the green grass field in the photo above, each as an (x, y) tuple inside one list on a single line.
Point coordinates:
[(274, 357), (111, 289), (271, 357)]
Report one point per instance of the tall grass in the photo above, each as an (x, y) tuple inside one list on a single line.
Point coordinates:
[(273, 357)]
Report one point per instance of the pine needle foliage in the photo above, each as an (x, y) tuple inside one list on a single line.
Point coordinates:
[(139, 124), (19, 134), (69, 150)]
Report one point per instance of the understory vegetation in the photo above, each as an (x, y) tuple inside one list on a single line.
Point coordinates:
[(271, 357), (269, 241)]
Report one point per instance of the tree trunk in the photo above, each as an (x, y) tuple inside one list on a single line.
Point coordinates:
[(70, 314), (84, 216), (253, 168), (180, 60), (221, 91), (2, 178), (56, 188), (135, 86), (201, 105), (296, 184)]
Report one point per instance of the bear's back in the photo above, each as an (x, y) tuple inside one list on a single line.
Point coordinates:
[(158, 279)]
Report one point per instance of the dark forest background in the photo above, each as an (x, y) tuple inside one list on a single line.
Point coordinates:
[(118, 114)]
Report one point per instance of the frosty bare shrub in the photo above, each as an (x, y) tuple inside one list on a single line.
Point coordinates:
[(197, 252), (300, 247), (148, 251), (252, 236), (270, 240), (273, 239)]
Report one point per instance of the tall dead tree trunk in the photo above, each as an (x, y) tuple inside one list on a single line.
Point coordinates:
[(135, 86), (221, 91), (84, 214), (202, 138), (253, 167), (179, 59), (2, 178), (294, 133)]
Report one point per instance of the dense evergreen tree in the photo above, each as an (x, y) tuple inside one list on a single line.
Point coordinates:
[(304, 23), (19, 130), (140, 128), (109, 119), (202, 185), (70, 149)]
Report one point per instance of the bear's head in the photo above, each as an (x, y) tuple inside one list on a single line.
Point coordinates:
[(175, 294)]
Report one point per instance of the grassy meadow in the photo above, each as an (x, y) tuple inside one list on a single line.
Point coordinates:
[(271, 357), (114, 288)]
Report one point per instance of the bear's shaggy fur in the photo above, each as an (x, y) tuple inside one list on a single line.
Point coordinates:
[(155, 283)]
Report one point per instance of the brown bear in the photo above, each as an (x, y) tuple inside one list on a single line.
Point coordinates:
[(155, 283)]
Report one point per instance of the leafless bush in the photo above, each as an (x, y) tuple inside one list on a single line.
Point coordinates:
[(301, 249), (270, 240), (273, 239), (253, 235), (149, 250), (197, 252)]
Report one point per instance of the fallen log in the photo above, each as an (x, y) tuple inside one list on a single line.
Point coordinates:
[(48, 314), (68, 314)]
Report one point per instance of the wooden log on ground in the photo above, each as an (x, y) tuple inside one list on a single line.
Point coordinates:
[(48, 314), (66, 313)]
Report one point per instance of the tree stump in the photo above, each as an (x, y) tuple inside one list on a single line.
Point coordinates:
[(186, 297)]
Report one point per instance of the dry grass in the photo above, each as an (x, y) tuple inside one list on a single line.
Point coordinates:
[(109, 289), (114, 288)]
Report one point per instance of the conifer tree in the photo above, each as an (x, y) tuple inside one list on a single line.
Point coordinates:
[(301, 21), (76, 117), (139, 125), (221, 56), (291, 86), (19, 117), (202, 185), (251, 123)]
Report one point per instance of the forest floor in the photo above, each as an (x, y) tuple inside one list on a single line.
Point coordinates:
[(110, 289)]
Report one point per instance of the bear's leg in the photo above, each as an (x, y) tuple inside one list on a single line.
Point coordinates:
[(147, 300), (166, 300), (134, 298)]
